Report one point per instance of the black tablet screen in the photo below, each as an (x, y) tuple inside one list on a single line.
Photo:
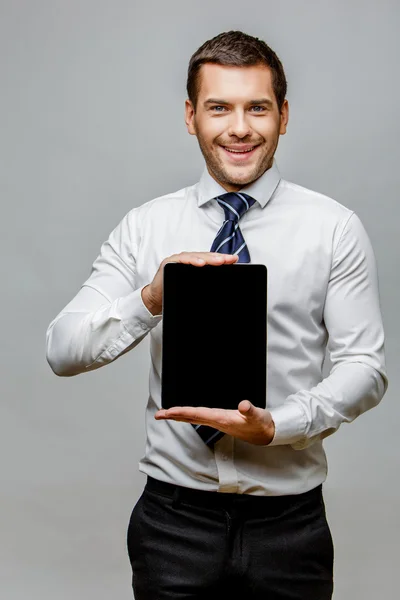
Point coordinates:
[(214, 341)]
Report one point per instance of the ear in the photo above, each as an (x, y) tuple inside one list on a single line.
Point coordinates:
[(284, 117), (189, 117)]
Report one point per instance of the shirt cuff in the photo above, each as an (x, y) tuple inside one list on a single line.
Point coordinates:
[(135, 315), (290, 424)]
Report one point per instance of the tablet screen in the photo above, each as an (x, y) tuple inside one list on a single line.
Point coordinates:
[(214, 342)]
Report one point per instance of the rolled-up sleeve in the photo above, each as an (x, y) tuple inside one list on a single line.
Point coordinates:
[(352, 315)]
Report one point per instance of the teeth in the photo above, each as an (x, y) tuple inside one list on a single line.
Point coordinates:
[(239, 151)]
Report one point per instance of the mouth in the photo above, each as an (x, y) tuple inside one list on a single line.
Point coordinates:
[(239, 155)]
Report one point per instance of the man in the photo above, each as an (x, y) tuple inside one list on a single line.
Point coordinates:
[(244, 513)]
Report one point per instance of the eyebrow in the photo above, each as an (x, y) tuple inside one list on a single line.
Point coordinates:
[(251, 102)]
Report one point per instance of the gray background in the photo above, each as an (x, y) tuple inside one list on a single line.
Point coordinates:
[(91, 108)]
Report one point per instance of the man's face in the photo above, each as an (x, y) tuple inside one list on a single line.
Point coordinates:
[(236, 109)]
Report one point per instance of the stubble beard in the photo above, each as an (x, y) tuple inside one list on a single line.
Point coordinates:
[(216, 166)]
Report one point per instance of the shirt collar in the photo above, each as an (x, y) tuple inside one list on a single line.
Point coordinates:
[(261, 189)]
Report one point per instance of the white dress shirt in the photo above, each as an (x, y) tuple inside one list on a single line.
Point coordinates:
[(322, 281)]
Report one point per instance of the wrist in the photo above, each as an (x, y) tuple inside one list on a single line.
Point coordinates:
[(155, 308), (270, 433)]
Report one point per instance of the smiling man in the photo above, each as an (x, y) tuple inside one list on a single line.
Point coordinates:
[(237, 122), (233, 501)]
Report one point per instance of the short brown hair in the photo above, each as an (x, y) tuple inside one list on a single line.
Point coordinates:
[(235, 48)]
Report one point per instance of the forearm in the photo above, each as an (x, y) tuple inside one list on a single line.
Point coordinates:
[(95, 332), (351, 389)]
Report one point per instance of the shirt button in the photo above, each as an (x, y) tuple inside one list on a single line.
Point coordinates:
[(143, 326), (114, 352), (225, 457)]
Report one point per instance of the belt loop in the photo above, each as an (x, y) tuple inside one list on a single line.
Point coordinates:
[(176, 498)]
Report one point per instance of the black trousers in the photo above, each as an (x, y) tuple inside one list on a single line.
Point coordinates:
[(196, 545)]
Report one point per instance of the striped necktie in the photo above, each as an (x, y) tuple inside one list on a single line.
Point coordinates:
[(229, 240)]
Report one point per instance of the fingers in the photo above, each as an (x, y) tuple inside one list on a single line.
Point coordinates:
[(153, 295), (202, 258), (197, 414)]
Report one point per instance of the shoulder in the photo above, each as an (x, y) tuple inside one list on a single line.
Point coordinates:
[(317, 202), (143, 219), (160, 206), (315, 211), (332, 217)]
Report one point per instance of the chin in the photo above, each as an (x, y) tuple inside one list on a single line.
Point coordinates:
[(240, 179)]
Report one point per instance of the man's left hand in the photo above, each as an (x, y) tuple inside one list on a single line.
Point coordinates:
[(249, 423)]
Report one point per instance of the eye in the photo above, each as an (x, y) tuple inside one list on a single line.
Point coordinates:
[(223, 107)]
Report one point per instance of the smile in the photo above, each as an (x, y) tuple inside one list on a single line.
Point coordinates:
[(239, 155)]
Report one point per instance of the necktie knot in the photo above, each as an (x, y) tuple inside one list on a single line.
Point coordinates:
[(235, 204)]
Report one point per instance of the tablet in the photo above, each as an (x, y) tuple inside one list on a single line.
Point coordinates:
[(214, 335)]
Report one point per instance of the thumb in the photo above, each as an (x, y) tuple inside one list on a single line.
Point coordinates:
[(246, 408)]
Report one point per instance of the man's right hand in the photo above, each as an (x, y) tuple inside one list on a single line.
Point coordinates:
[(152, 293)]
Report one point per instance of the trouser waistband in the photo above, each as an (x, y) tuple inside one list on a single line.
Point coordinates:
[(221, 499)]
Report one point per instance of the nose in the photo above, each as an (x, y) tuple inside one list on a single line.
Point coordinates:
[(238, 124)]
